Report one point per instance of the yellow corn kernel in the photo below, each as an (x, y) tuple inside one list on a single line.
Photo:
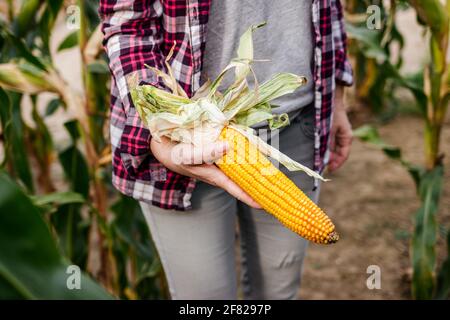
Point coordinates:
[(273, 190)]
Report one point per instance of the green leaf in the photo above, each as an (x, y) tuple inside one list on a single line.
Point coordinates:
[(25, 78), (368, 133), (71, 227), (433, 13), (132, 241), (41, 141), (58, 198), (73, 129), (14, 129), (425, 235), (76, 170), (99, 66), (24, 52), (52, 106), (73, 232), (369, 40), (415, 83), (55, 6), (130, 226), (30, 264), (25, 18), (47, 23), (69, 42), (443, 280), (5, 116)]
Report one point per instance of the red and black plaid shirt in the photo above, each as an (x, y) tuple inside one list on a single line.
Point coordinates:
[(139, 32)]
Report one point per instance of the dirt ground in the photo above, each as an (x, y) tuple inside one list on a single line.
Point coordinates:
[(372, 202)]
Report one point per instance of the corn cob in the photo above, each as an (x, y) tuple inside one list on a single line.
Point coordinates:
[(273, 190)]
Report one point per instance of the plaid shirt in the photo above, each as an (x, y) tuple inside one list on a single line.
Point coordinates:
[(139, 32)]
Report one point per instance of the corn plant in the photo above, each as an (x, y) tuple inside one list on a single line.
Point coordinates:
[(38, 271), (103, 233), (370, 47), (433, 98)]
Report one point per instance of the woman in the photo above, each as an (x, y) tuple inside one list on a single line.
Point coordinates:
[(196, 247)]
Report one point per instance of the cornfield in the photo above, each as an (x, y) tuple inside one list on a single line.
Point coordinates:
[(55, 157), (87, 223)]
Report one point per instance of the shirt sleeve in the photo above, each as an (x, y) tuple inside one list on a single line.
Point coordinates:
[(344, 72), (132, 38)]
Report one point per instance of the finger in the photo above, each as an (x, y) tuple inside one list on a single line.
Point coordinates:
[(332, 162), (339, 158), (332, 142), (340, 152), (345, 152)]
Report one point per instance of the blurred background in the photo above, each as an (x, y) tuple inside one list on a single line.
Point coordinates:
[(390, 202)]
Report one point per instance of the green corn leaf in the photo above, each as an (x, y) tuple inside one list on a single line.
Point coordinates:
[(55, 6), (75, 166), (14, 130), (130, 226), (72, 128), (68, 222), (425, 235), (47, 23), (52, 106), (73, 231), (23, 51), (369, 40), (5, 121), (132, 241), (25, 18), (368, 133), (41, 141), (58, 198), (434, 14), (31, 266), (443, 280), (24, 78), (99, 66), (69, 42)]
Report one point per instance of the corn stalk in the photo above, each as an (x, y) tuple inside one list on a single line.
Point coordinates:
[(370, 47), (437, 89), (90, 47), (111, 242), (433, 99)]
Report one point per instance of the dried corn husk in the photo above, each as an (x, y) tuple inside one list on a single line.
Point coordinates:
[(200, 119)]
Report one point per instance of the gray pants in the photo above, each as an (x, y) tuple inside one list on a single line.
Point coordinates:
[(197, 248)]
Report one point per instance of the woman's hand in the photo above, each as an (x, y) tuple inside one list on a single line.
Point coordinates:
[(341, 133), (198, 163)]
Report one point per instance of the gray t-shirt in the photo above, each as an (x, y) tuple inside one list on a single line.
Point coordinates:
[(286, 41)]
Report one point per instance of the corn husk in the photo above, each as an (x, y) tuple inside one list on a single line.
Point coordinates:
[(24, 77), (200, 119)]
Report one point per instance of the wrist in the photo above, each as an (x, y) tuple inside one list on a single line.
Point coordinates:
[(339, 104)]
